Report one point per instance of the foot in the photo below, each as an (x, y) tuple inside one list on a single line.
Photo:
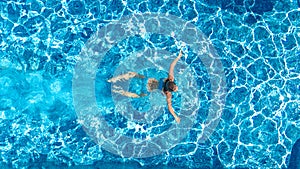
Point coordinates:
[(112, 80)]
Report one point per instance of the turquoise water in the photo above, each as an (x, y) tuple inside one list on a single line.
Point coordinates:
[(257, 43)]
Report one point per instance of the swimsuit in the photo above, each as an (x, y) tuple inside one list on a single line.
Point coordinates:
[(161, 84), (166, 89)]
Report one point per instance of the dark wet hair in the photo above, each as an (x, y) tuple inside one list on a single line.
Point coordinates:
[(171, 86)]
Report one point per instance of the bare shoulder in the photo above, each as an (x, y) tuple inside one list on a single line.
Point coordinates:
[(171, 77)]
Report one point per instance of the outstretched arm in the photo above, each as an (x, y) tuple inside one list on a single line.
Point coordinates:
[(169, 101), (172, 66)]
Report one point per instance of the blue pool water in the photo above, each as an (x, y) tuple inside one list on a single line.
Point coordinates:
[(256, 42)]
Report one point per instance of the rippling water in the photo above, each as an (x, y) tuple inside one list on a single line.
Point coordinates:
[(258, 45)]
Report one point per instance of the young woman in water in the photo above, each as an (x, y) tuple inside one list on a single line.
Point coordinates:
[(167, 86)]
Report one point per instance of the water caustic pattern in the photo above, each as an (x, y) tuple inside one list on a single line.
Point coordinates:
[(152, 135), (257, 43)]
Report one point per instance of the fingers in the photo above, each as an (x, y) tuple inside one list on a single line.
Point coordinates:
[(177, 119), (180, 54)]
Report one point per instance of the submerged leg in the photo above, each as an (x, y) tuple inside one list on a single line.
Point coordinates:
[(126, 93), (125, 77)]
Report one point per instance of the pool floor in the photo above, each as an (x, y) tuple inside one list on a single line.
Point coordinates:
[(238, 84)]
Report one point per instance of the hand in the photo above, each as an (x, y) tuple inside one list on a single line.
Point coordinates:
[(177, 119), (180, 54)]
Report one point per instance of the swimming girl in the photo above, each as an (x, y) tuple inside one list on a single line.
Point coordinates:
[(166, 85)]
